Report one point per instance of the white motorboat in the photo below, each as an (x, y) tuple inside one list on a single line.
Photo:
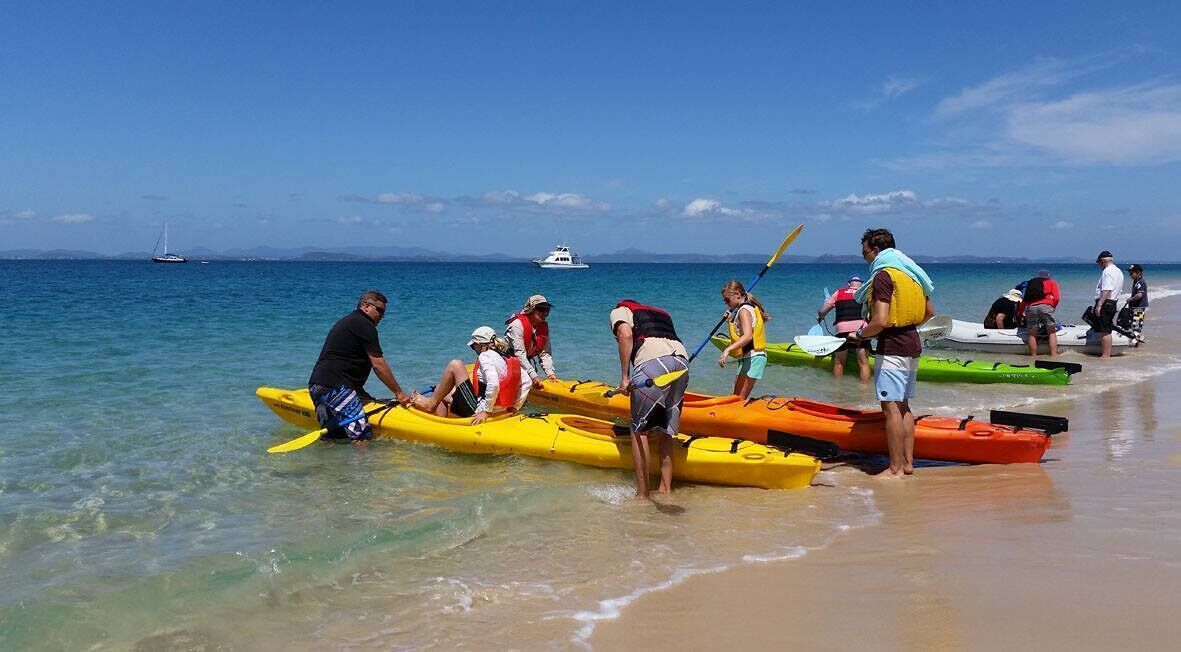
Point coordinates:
[(166, 257), (561, 258), (968, 336)]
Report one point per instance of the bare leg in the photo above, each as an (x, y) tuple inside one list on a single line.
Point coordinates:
[(640, 462), (908, 439), (1105, 345), (666, 463), (1031, 343), (453, 375), (743, 385), (838, 363), (1053, 337), (895, 439), (863, 361)]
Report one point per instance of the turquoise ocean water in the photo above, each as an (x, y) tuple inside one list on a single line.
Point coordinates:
[(138, 508)]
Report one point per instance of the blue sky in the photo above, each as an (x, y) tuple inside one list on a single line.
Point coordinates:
[(992, 128)]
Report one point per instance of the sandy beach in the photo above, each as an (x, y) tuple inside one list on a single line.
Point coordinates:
[(1079, 552)]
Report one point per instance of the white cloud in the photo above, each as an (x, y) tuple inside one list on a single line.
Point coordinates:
[(1063, 225), (74, 218), (413, 201), (1132, 125), (559, 203), (565, 200), (1021, 83), (25, 214), (894, 87), (981, 225), (891, 202), (702, 207), (351, 220), (897, 86), (662, 204)]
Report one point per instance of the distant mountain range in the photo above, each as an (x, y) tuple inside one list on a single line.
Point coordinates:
[(418, 254)]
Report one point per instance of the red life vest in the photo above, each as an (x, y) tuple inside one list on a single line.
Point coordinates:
[(535, 338), (510, 384), (847, 309), (648, 322)]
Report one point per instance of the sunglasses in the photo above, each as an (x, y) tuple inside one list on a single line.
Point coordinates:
[(380, 309)]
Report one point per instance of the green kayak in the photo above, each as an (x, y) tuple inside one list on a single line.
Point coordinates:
[(940, 370)]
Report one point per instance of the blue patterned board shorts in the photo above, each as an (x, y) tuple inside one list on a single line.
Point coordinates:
[(337, 405)]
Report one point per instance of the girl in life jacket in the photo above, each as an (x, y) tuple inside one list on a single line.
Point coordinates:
[(496, 382), (748, 340)]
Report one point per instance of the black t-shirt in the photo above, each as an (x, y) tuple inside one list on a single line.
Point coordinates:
[(1002, 306), (344, 359), (1140, 286)]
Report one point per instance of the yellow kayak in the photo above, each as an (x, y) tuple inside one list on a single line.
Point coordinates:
[(712, 460)]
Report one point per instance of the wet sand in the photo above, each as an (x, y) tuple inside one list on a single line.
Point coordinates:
[(1081, 551)]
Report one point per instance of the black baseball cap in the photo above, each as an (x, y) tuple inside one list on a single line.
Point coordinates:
[(1135, 268), (1103, 254)]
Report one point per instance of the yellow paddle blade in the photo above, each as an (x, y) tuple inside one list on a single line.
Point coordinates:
[(786, 241), (296, 444), (664, 379)]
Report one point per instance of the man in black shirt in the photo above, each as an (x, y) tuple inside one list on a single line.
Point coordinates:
[(1003, 313), (350, 352)]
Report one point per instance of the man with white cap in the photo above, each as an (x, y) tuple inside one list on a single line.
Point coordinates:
[(496, 383), (848, 319), (1111, 283), (528, 337)]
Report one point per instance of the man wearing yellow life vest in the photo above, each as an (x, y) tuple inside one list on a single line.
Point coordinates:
[(896, 299)]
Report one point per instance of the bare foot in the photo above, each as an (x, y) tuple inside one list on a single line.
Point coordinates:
[(889, 475)]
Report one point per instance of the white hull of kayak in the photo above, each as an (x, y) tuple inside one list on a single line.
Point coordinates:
[(966, 336)]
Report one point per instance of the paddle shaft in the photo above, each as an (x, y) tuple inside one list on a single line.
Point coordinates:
[(750, 286)]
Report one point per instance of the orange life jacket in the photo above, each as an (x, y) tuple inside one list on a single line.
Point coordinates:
[(510, 384)]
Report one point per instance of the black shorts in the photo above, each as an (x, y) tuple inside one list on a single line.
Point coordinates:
[(1105, 322), (463, 400), (866, 344)]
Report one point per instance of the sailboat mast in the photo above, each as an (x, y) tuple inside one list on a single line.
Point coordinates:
[(166, 237)]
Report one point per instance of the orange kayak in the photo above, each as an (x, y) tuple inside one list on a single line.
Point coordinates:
[(774, 419)]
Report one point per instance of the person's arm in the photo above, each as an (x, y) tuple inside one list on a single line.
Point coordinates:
[(1136, 293), (1103, 297), (829, 304), (928, 309), (547, 360), (382, 370), (491, 390), (879, 316), (999, 320), (746, 322), (516, 336), (624, 341)]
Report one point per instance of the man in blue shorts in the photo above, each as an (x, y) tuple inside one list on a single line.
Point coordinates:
[(337, 383), (897, 299)]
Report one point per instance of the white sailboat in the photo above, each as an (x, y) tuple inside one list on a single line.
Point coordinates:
[(561, 258), (166, 257)]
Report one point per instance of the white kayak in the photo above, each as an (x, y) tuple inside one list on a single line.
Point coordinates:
[(967, 336)]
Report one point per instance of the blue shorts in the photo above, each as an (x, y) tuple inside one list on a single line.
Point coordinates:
[(337, 405), (894, 377), (752, 366)]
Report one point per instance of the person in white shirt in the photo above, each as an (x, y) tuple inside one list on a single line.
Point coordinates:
[(528, 336), (1111, 284), (495, 385)]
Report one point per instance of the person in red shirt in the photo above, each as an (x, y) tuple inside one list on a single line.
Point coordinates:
[(1037, 304)]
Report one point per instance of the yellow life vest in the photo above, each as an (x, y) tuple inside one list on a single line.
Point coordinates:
[(759, 343), (908, 304)]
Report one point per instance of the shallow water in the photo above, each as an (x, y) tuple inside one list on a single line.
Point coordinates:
[(138, 507)]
